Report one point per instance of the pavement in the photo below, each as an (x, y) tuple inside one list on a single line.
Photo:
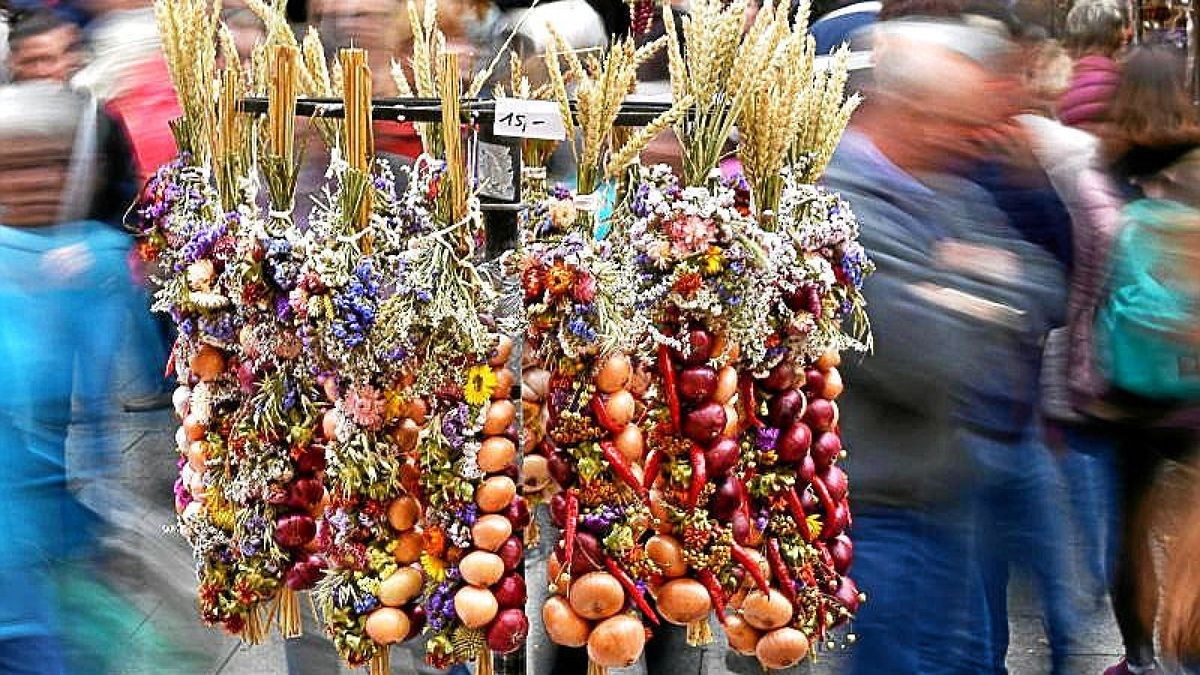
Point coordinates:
[(152, 570)]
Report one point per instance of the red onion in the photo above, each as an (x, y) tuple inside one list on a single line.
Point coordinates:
[(847, 594), (785, 407), (311, 459), (558, 510), (841, 551), (304, 493), (508, 631), (808, 468), (781, 377), (705, 423), (303, 575), (295, 530), (510, 591), (821, 414), (512, 471), (416, 619), (825, 450), (701, 344), (697, 384), (835, 523), (511, 552), (561, 470), (836, 482), (814, 380), (811, 502), (587, 556), (517, 513), (721, 457), (794, 442), (744, 531), (728, 499)]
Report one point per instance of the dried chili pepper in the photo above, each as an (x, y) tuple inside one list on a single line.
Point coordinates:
[(670, 390), (620, 467), (652, 467), (602, 418), (635, 593), (780, 569), (741, 557), (827, 504), (570, 528), (797, 507), (715, 591)]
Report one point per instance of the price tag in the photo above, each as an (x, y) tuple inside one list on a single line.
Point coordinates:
[(523, 118)]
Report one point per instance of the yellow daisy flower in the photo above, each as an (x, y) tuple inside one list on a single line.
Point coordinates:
[(481, 381), (435, 568)]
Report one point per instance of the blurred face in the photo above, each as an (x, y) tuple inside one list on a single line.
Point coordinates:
[(48, 56), (373, 25)]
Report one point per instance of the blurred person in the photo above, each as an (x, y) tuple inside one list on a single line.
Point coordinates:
[(897, 166), (1096, 30), (840, 21), (1155, 146)]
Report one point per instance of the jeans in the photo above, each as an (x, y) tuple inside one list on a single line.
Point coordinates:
[(1088, 467), (914, 566), (1018, 522)]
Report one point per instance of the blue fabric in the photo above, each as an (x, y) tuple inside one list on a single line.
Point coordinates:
[(914, 566), (1089, 469), (34, 655), (831, 33), (1036, 211), (1019, 522)]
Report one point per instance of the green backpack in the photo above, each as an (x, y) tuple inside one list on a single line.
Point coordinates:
[(1148, 329)]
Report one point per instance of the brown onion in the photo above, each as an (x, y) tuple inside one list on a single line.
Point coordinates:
[(535, 473), (731, 422), (631, 444), (620, 408), (833, 384), (767, 612), (481, 568), (208, 363), (727, 385), (387, 626), (505, 380), (501, 352), (742, 637), (406, 435), (499, 415), (490, 531), (683, 601), (193, 428), (476, 607), (597, 595), (614, 374), (403, 513), (616, 642), (496, 453), (782, 648), (495, 494), (408, 547), (829, 360), (667, 553), (563, 625), (401, 587), (535, 384)]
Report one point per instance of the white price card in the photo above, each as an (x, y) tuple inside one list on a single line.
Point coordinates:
[(524, 118)]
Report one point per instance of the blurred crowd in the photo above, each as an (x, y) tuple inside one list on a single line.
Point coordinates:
[(1032, 204)]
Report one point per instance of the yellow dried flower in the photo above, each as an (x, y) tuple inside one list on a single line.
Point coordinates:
[(481, 382)]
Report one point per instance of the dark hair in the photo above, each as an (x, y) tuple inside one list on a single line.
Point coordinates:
[(32, 24), (1151, 106), (929, 9), (1096, 27)]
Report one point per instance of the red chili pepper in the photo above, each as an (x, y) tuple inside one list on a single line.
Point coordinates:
[(827, 504), (749, 401), (620, 467), (669, 388), (631, 588), (569, 528), (699, 476), (170, 363), (602, 418), (715, 592), (780, 569), (797, 507), (741, 557), (652, 467)]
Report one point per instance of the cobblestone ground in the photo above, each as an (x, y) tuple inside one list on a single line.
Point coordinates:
[(151, 568)]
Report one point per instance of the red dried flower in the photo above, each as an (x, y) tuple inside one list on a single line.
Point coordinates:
[(688, 284)]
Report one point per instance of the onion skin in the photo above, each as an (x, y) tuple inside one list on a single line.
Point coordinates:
[(683, 601), (822, 415), (403, 513), (742, 637), (495, 494), (510, 591), (631, 443), (781, 377), (847, 594), (722, 456), (561, 469), (705, 423), (490, 531), (563, 625), (701, 348), (833, 385), (829, 360), (400, 588), (536, 383), (387, 625), (408, 547), (794, 443), (728, 498), (505, 381), (841, 552), (697, 384), (511, 552), (518, 513), (620, 407), (501, 352), (476, 607), (667, 553), (499, 415), (295, 530), (825, 450), (614, 374), (587, 555), (617, 642), (496, 454), (508, 632), (782, 648), (767, 612), (727, 385), (597, 595), (836, 482), (814, 381), (785, 407)]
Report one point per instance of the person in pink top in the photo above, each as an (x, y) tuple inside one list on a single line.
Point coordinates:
[(1096, 31)]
